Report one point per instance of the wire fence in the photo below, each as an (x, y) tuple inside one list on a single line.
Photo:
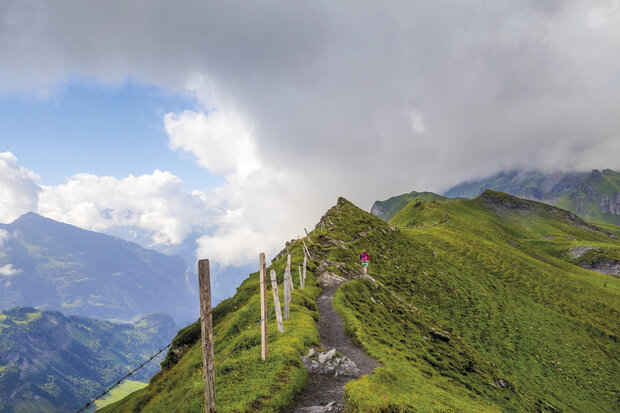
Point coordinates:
[(132, 372), (223, 359)]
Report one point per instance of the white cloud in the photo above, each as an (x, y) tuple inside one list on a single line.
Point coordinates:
[(18, 190), (8, 270), (306, 101), (262, 204), (417, 121), (220, 140), (157, 203), (4, 236)]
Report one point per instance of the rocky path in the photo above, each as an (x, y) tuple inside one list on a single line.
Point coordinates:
[(330, 372)]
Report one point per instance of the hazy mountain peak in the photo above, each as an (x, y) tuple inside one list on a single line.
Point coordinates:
[(62, 267), (594, 195)]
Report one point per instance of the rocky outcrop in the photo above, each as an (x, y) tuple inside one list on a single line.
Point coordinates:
[(329, 362), (609, 267), (578, 251), (598, 260), (329, 407), (377, 209)]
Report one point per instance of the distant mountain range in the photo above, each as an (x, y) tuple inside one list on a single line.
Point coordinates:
[(54, 266), (52, 363), (594, 195)]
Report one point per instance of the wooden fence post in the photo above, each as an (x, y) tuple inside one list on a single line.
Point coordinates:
[(276, 301), (301, 280), (306, 250), (288, 269), (204, 284), (307, 235), (287, 289), (304, 270), (263, 305)]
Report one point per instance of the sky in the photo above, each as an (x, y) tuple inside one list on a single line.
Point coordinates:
[(242, 122)]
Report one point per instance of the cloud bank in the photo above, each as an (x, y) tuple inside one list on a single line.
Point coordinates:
[(157, 203), (18, 189), (305, 101)]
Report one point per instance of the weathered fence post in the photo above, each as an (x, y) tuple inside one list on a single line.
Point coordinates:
[(307, 235), (306, 250), (263, 305), (304, 270), (287, 288), (301, 280), (276, 301), (288, 269), (204, 284)]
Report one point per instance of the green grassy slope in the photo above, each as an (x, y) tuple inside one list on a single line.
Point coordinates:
[(243, 382), (515, 312), (118, 393), (388, 208), (471, 306)]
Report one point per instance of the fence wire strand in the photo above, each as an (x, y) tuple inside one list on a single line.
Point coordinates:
[(222, 360), (161, 350), (90, 403)]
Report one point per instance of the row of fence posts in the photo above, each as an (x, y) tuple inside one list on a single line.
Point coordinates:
[(282, 311), (204, 284)]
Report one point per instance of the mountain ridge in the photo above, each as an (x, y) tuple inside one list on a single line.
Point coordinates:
[(473, 312), (388, 208), (52, 265), (593, 195)]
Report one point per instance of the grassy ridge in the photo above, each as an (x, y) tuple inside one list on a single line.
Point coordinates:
[(390, 207), (515, 313), (243, 382), (471, 306)]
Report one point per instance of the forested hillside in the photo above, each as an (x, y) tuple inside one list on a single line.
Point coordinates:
[(53, 363)]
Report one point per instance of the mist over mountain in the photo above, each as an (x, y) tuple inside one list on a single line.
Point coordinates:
[(593, 195), (54, 266)]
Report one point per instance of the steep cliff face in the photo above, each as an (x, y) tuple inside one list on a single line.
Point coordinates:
[(597, 197)]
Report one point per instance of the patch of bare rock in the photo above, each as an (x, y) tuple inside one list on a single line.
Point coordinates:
[(329, 362)]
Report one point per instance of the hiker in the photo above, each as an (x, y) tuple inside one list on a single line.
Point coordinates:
[(365, 258)]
